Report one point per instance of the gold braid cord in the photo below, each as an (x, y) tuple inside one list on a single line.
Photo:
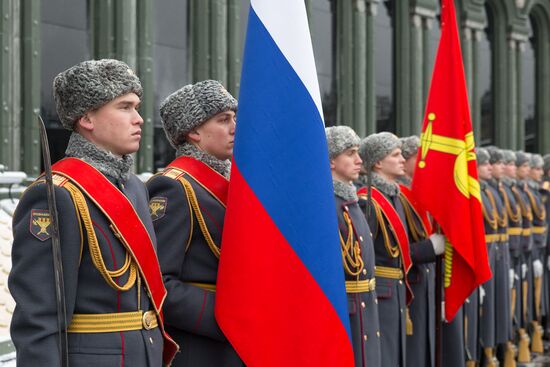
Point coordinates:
[(525, 208), (416, 229), (393, 251), (540, 212), (491, 219), (93, 245), (351, 251), (448, 264), (514, 216), (200, 219)]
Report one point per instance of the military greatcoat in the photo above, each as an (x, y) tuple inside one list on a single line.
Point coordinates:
[(362, 306), (189, 264), (34, 325)]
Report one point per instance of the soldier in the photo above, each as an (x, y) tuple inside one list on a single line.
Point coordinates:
[(501, 275), (108, 251), (381, 154), (538, 233), (421, 277), (188, 208), (357, 247), (487, 290), (520, 192), (545, 192)]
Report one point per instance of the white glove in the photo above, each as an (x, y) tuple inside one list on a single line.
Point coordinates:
[(523, 271), (537, 268), (548, 263), (481, 295), (512, 275), (438, 242)]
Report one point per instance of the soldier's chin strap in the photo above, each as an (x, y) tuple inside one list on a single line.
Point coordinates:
[(56, 250)]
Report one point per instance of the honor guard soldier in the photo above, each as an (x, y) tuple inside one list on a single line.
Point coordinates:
[(381, 154), (187, 205), (538, 233), (501, 274), (487, 335), (356, 245), (522, 174), (113, 285), (421, 277)]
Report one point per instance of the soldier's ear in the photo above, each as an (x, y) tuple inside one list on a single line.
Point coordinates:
[(332, 164), (194, 136), (84, 123)]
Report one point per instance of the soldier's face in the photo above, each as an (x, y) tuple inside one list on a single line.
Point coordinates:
[(484, 171), (391, 166), (116, 126), (510, 170), (536, 173), (497, 170), (346, 166), (523, 171), (217, 135)]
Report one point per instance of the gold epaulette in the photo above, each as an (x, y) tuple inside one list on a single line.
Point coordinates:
[(360, 286), (387, 272)]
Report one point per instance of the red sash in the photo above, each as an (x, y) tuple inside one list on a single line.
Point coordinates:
[(396, 226), (420, 213), (211, 180), (134, 236)]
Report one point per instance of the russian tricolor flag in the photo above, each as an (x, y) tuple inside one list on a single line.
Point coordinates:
[(280, 291)]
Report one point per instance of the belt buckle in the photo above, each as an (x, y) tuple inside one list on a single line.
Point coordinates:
[(147, 320), (372, 284)]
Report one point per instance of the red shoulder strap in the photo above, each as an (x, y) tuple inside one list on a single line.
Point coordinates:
[(418, 210), (396, 226), (122, 215), (211, 180)]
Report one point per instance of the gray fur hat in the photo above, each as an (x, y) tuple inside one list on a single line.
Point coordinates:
[(89, 85), (340, 138), (522, 158), (482, 156), (508, 156), (409, 146), (495, 155), (546, 166), (376, 147), (536, 161), (191, 105)]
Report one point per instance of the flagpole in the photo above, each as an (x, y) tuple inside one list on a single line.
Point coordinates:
[(438, 310)]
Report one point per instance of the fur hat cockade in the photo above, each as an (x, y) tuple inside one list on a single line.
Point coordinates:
[(495, 155), (340, 138), (376, 147), (191, 105), (89, 85), (482, 156), (536, 161), (522, 158), (409, 146)]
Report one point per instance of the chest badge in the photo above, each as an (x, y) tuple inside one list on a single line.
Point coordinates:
[(157, 207), (40, 224)]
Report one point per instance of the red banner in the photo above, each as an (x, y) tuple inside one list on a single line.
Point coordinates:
[(445, 180)]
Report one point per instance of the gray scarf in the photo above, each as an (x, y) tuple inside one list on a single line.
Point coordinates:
[(187, 149), (387, 187), (534, 185), (102, 160), (345, 190)]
